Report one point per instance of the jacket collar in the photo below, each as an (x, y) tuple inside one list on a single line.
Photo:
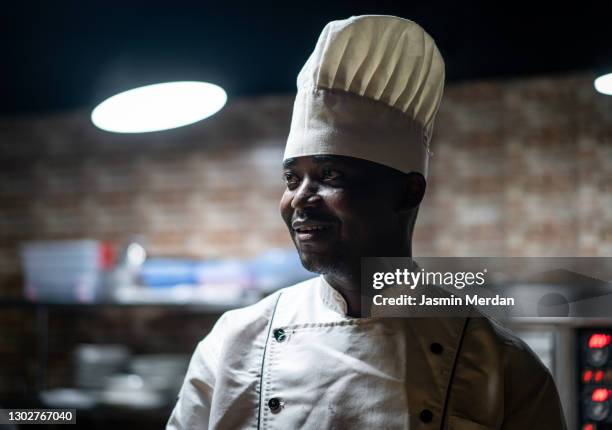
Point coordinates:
[(331, 298)]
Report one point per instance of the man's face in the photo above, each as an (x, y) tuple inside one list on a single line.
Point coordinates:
[(339, 209)]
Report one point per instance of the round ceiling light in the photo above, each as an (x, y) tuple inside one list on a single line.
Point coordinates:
[(159, 107), (603, 84)]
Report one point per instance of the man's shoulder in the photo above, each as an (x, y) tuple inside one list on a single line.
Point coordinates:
[(529, 390), (514, 351), (264, 308), (242, 325)]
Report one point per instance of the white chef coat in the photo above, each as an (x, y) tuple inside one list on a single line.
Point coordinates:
[(296, 360)]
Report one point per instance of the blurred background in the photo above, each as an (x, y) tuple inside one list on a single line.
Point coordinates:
[(119, 251)]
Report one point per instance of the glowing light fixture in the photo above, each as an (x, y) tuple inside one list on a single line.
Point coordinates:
[(603, 84), (159, 107)]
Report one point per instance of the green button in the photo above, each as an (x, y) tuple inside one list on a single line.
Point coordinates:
[(280, 335), (274, 404)]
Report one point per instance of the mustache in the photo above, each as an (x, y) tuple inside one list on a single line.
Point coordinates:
[(303, 216)]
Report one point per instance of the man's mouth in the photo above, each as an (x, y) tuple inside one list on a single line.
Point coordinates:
[(307, 231)]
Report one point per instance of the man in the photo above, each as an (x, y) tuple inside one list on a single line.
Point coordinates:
[(355, 166)]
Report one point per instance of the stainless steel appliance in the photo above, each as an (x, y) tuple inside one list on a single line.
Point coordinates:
[(578, 351)]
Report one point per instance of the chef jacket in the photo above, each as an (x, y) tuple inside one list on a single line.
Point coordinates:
[(296, 360)]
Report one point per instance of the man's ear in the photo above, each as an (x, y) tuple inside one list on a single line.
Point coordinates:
[(414, 191)]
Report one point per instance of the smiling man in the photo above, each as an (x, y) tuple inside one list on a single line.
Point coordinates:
[(355, 165)]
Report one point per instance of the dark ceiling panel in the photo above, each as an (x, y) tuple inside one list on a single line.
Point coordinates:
[(66, 55)]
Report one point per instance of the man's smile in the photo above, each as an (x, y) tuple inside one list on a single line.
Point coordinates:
[(308, 231)]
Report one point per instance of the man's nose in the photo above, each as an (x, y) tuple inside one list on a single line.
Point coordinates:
[(306, 195)]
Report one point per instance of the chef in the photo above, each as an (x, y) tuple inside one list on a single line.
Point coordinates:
[(355, 168)]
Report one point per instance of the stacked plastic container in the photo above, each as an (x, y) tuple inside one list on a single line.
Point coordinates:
[(64, 271)]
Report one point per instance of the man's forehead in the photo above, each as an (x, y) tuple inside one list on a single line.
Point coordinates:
[(356, 165), (328, 159)]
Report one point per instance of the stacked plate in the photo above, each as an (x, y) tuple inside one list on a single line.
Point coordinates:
[(95, 363), (163, 373)]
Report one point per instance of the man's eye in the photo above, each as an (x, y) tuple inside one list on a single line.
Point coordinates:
[(331, 174), (290, 179)]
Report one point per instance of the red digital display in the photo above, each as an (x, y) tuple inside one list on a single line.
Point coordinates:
[(599, 340), (599, 376), (600, 395), (587, 375)]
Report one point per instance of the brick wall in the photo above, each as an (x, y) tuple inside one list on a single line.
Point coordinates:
[(520, 167), (524, 168)]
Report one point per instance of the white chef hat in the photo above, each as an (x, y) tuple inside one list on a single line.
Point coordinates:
[(371, 89)]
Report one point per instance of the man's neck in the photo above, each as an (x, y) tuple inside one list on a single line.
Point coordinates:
[(350, 289), (348, 283)]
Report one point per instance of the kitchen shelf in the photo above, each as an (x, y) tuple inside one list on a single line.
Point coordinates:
[(44, 311), (201, 307)]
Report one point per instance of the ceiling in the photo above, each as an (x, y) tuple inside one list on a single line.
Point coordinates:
[(59, 56)]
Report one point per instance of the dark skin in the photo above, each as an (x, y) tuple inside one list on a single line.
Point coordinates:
[(339, 209)]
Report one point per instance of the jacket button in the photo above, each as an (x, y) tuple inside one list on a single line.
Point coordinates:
[(274, 404), (426, 415), (280, 335), (436, 348)]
